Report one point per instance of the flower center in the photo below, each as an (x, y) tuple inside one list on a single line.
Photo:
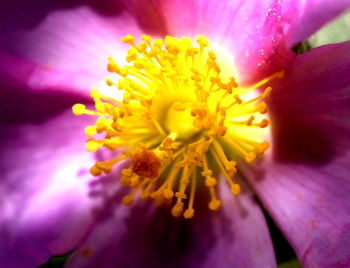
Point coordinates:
[(181, 122)]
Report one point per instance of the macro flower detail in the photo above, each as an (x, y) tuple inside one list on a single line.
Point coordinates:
[(181, 122), (161, 133)]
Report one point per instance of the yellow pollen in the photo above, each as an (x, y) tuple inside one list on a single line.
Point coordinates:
[(181, 121)]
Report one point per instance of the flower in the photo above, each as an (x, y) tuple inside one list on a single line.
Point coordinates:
[(51, 56)]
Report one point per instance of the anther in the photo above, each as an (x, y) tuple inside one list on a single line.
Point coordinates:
[(177, 114)]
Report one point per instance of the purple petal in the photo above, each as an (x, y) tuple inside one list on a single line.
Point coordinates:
[(147, 16), (64, 46), (251, 30), (311, 207), (141, 235), (44, 203), (30, 77), (22, 103), (312, 102), (303, 18), (305, 183)]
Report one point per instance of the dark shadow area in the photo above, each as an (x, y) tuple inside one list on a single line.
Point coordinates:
[(283, 250), (309, 107), (300, 139), (107, 189), (25, 15), (305, 131), (22, 106), (56, 262), (174, 241), (156, 237), (301, 47)]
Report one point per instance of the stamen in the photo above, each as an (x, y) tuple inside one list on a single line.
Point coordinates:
[(189, 212), (178, 121)]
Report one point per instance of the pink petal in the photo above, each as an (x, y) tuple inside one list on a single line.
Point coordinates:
[(23, 103), (305, 183), (311, 103), (311, 207), (141, 235), (33, 78), (64, 47), (44, 202), (251, 30), (303, 18)]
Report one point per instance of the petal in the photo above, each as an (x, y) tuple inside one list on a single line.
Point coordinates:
[(252, 31), (29, 77), (311, 207), (21, 104), (305, 183), (65, 45), (303, 18), (141, 235), (311, 103), (44, 203)]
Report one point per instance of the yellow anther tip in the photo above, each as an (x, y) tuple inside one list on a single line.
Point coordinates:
[(189, 213), (78, 109), (168, 194), (235, 189), (132, 55), (108, 81), (172, 45), (91, 146), (158, 43), (146, 38), (128, 39), (267, 92), (90, 130), (210, 182), (250, 157), (263, 147), (157, 195), (177, 210), (202, 41), (95, 171), (214, 204), (262, 108), (142, 47), (145, 195), (186, 42), (127, 200), (264, 123)]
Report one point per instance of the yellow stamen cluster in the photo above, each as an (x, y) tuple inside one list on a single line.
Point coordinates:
[(180, 122)]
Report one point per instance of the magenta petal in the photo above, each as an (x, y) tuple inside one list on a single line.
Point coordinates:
[(143, 236), (303, 18), (305, 184), (147, 16), (23, 103), (44, 203), (312, 103), (251, 30), (311, 206), (34, 78), (64, 47)]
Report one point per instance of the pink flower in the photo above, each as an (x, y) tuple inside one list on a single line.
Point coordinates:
[(52, 53)]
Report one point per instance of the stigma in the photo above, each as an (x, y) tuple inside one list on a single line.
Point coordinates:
[(181, 122)]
